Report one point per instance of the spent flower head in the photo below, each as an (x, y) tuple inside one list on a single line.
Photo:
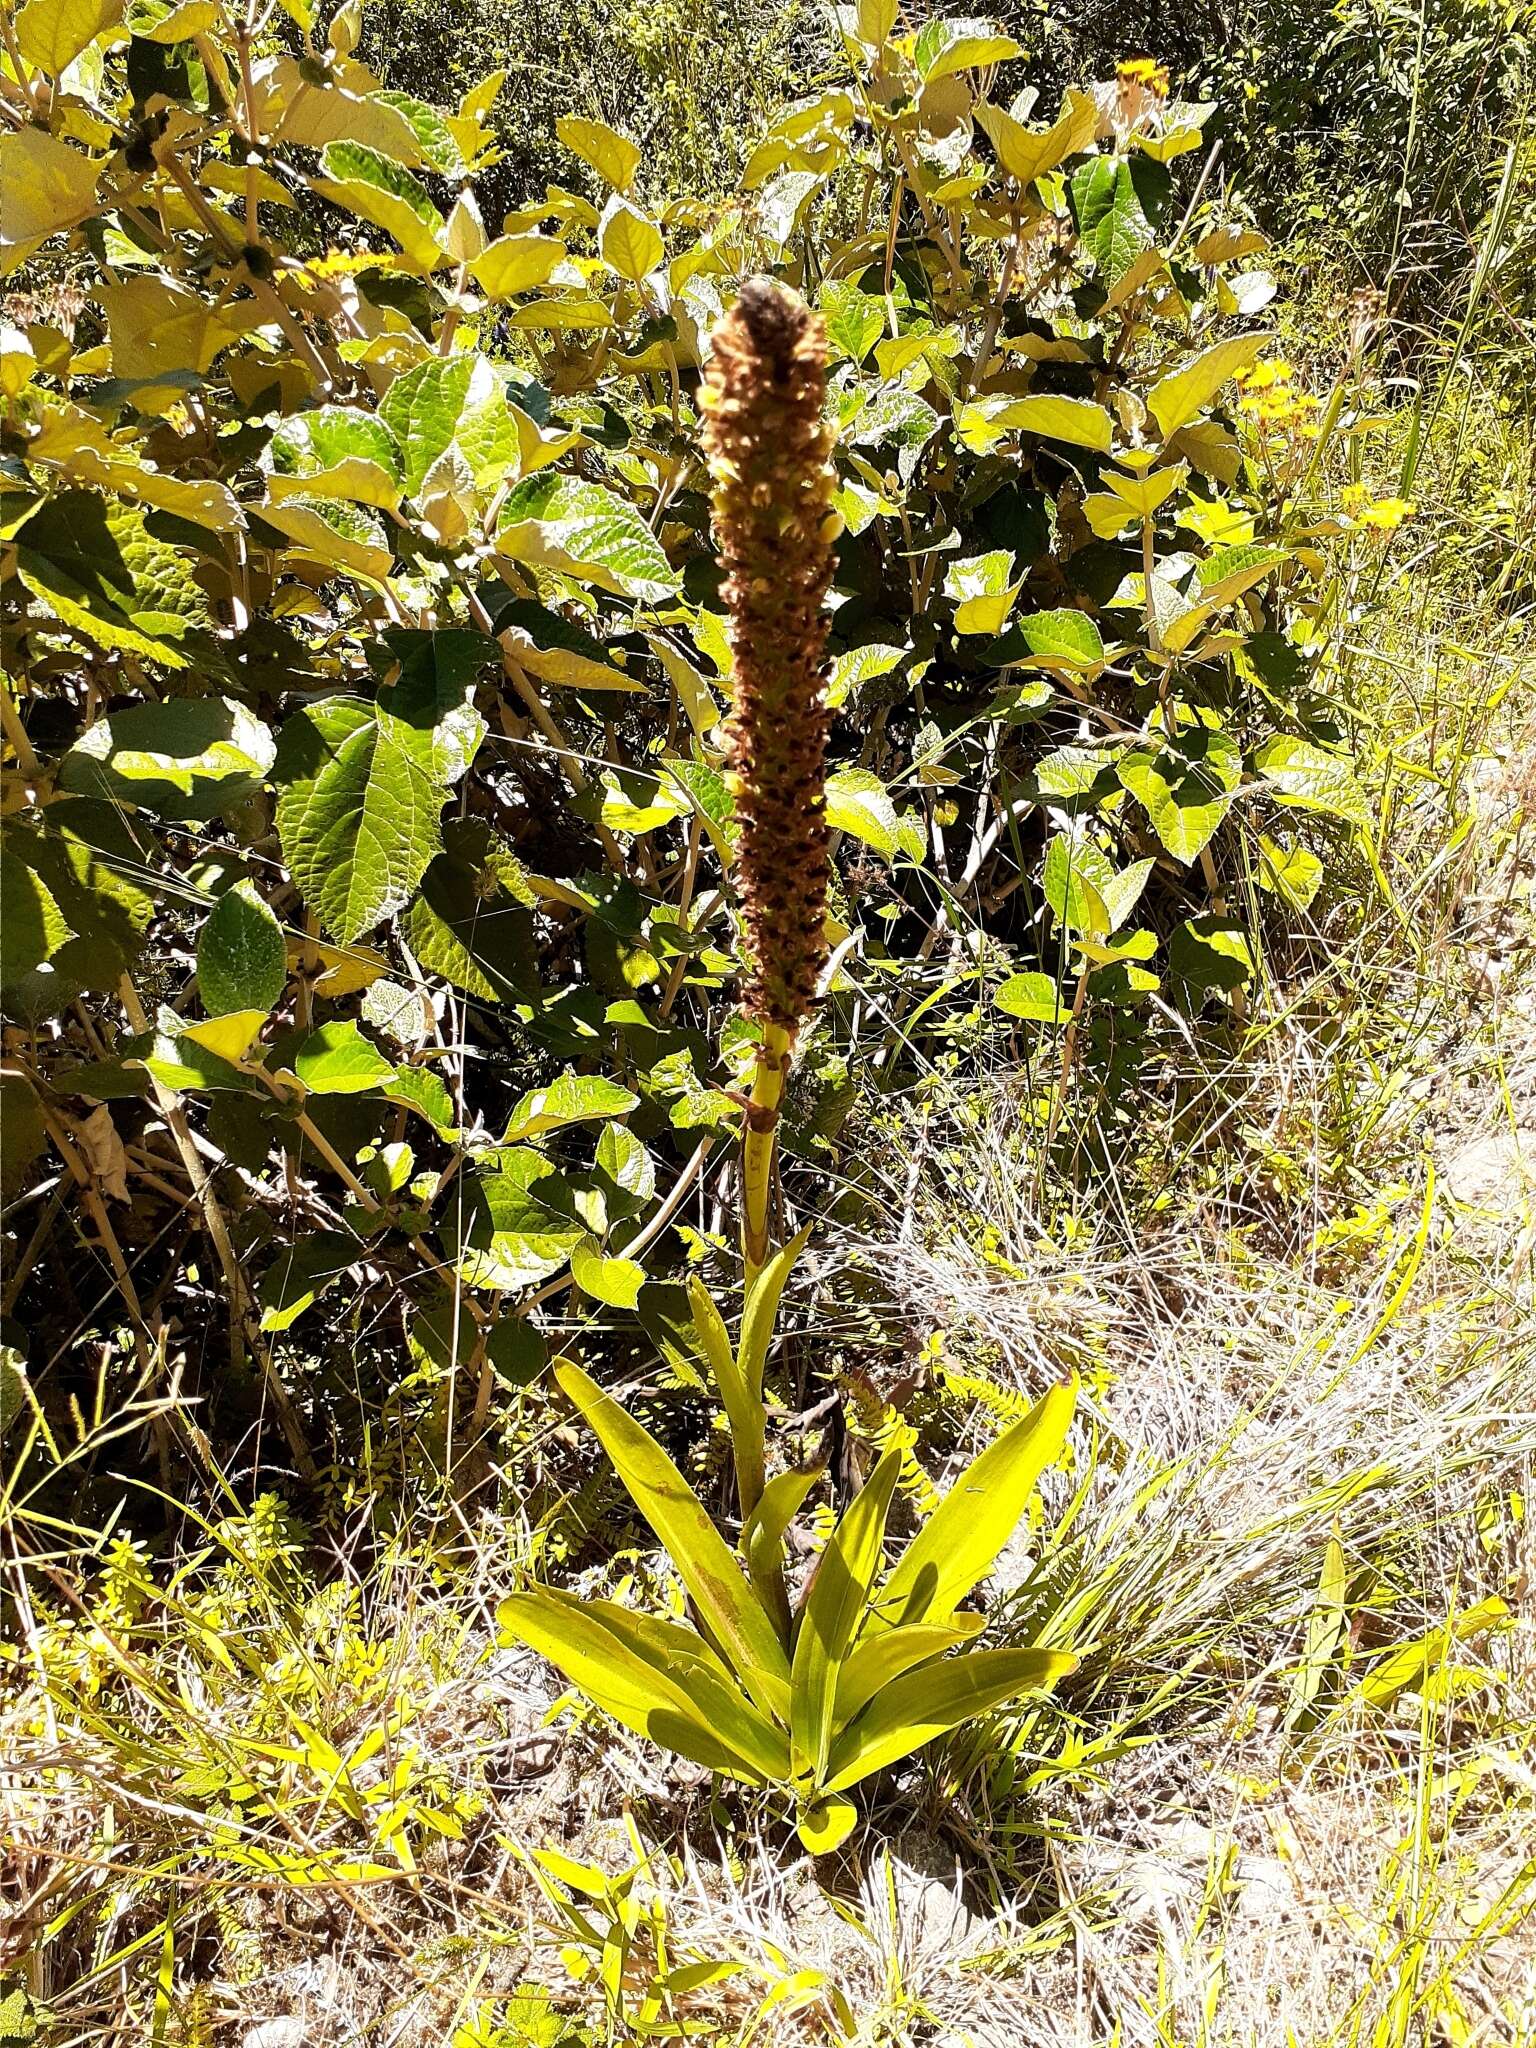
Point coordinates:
[(769, 449)]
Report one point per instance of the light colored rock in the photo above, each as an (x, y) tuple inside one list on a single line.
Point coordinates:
[(1497, 1172)]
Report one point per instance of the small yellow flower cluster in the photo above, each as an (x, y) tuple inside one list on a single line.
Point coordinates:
[(1385, 515), (1143, 71), (1270, 400)]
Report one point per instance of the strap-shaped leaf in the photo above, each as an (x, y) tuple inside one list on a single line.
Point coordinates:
[(927, 1702), (762, 1312), (687, 1659), (830, 1619), (873, 1663), (959, 1543), (616, 1677), (735, 1616), (762, 1538), (743, 1408)]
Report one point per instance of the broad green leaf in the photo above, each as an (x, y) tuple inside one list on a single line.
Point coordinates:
[(627, 1168), (1028, 153), (1077, 421), (960, 1542), (985, 596), (242, 962), (855, 319), (421, 1089), (566, 523), (1144, 494), (178, 1061), (1073, 876), (1294, 873), (516, 263), (878, 1659), (572, 1099), (504, 1225), (1228, 572), (874, 20), (1210, 952), (613, 156), (1299, 773), (1184, 786), (831, 1616), (858, 802), (628, 240), (337, 1060), (1034, 997), (75, 870), (434, 137), (314, 115), (32, 926), (334, 533), (379, 191), (47, 185), (944, 47), (1113, 227), (861, 665), (1065, 638), (931, 1700), (635, 1689), (357, 809), (1175, 400), (712, 1576), (457, 401), (471, 920), (302, 1272), (52, 33), (77, 445), (105, 575), (606, 1277), (191, 758), (336, 451)]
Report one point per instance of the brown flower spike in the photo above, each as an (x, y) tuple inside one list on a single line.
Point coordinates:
[(768, 455)]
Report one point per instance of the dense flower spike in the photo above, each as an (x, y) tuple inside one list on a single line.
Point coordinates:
[(768, 454)]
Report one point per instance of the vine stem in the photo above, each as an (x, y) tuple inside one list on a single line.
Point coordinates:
[(16, 733), (243, 1321), (759, 1145)]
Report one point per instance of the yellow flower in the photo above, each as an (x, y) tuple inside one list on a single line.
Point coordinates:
[(1387, 514), (1353, 496), (1145, 72)]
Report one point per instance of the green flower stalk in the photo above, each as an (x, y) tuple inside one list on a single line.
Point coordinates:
[(769, 451)]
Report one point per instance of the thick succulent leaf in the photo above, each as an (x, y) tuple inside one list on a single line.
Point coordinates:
[(616, 1676), (834, 1611), (714, 1580), (873, 1663), (959, 1543), (931, 1700)]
